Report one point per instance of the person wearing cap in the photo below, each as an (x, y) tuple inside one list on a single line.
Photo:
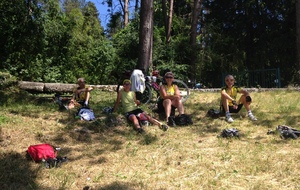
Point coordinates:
[(130, 107), (170, 98), (81, 94)]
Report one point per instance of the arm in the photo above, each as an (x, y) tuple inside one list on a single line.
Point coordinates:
[(246, 94), (88, 89), (224, 94), (177, 92), (117, 101), (137, 102)]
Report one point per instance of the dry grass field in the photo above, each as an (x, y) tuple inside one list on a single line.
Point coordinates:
[(108, 154)]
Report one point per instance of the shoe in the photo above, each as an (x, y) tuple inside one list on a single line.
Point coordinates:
[(164, 127), (229, 119), (140, 130), (252, 117), (171, 122)]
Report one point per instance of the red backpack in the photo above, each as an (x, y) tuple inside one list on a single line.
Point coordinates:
[(41, 151)]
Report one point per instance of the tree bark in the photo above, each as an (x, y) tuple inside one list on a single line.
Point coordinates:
[(146, 35), (195, 18), (193, 36), (298, 38), (126, 13), (39, 87), (168, 17)]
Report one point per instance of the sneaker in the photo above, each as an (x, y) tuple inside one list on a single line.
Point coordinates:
[(252, 117), (229, 119), (164, 127), (140, 130), (171, 122)]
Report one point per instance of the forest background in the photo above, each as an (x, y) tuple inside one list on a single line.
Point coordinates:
[(61, 40)]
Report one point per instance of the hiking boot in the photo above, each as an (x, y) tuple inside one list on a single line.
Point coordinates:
[(164, 127), (140, 130), (252, 117), (229, 119), (171, 122)]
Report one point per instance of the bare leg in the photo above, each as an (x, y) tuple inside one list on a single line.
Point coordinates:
[(225, 103), (156, 122), (88, 95), (246, 104), (178, 104), (167, 105), (135, 121)]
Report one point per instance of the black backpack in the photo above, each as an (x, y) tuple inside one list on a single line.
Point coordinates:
[(288, 132), (183, 120), (213, 113), (228, 133)]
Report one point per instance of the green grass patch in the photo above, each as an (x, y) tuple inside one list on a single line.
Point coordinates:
[(108, 154)]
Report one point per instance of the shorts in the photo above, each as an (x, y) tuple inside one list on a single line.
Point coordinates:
[(231, 110), (133, 112)]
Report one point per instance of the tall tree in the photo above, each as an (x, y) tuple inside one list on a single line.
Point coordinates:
[(298, 39), (193, 36), (168, 16), (146, 35), (126, 13)]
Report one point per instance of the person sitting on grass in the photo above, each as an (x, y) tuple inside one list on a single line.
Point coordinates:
[(170, 98), (130, 107), (228, 100), (81, 95)]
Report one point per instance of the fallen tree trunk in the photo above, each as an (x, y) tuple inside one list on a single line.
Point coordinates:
[(39, 87)]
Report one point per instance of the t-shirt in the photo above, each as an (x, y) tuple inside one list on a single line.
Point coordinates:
[(82, 95), (127, 101), (137, 79), (169, 90), (232, 93)]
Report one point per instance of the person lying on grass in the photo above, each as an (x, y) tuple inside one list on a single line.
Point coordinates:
[(130, 107), (228, 100)]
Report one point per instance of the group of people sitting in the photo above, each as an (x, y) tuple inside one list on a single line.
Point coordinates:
[(169, 99)]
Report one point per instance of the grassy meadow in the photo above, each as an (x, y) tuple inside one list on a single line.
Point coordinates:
[(108, 154)]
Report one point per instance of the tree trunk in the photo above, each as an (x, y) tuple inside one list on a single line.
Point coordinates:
[(195, 16), (193, 36), (298, 38), (126, 13), (146, 35), (168, 17)]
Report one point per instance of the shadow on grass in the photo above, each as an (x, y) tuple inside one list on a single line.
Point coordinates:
[(116, 185), (16, 172)]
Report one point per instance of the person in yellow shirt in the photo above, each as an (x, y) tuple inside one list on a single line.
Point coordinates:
[(229, 99), (170, 98), (81, 94)]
